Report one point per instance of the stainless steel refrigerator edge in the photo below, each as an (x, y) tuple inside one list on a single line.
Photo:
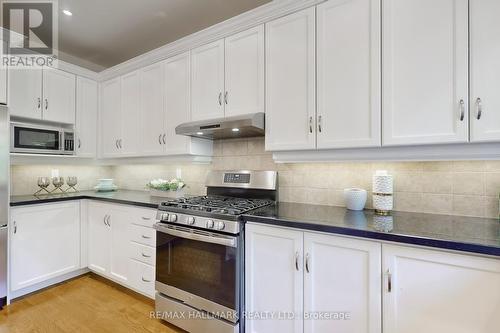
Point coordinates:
[(4, 200)]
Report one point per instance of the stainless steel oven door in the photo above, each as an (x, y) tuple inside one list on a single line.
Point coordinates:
[(199, 268)]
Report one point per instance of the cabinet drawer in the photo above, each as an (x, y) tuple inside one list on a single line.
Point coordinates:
[(144, 217), (142, 277), (143, 253), (143, 235)]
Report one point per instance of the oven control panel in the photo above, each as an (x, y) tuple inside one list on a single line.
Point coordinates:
[(207, 223), (237, 178)]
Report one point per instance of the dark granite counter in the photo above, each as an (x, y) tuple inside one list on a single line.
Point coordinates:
[(135, 198), (469, 234)]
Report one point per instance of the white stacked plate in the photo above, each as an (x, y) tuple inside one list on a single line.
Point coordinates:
[(105, 185)]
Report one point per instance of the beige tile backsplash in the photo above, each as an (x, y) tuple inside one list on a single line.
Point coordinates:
[(467, 188)]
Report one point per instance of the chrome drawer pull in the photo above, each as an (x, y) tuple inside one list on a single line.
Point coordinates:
[(144, 280), (146, 237), (479, 108), (146, 256), (146, 218)]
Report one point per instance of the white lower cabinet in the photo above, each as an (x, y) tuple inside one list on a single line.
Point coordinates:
[(122, 244), (434, 292), (44, 243), (342, 278), (311, 275)]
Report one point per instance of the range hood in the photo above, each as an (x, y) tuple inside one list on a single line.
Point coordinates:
[(244, 126)]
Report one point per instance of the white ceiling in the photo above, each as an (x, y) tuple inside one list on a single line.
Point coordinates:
[(104, 33)]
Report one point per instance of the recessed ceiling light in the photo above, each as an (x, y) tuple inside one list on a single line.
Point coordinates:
[(236, 129), (199, 133), (67, 12)]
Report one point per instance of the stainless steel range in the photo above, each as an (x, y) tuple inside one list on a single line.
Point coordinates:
[(200, 251)]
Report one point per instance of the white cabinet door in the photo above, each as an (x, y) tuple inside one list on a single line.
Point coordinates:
[(99, 239), (485, 70), (25, 93), (425, 71), (119, 221), (3, 77), (290, 82), (177, 101), (343, 275), (349, 81), (208, 81), (45, 242), (110, 118), (273, 278), (244, 72), (153, 110), (437, 292), (86, 117), (129, 143), (59, 91)]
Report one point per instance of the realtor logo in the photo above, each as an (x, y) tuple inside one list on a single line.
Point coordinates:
[(29, 32)]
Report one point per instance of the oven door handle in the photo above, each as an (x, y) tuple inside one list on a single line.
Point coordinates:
[(221, 240)]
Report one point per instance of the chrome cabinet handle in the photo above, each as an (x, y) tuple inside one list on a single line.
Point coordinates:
[(104, 219), (145, 255), (146, 218), (320, 128), (164, 138), (120, 143), (479, 106), (39, 103), (307, 263), (146, 237), (116, 144), (144, 280), (225, 97), (389, 281), (297, 255), (46, 103), (107, 220), (15, 227), (159, 139), (310, 124), (220, 98), (79, 143), (462, 110)]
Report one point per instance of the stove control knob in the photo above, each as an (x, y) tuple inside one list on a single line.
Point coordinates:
[(190, 220), (220, 225), (172, 218), (210, 224), (164, 216)]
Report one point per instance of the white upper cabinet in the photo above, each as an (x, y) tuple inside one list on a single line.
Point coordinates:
[(290, 82), (485, 70), (342, 274), (244, 71), (425, 71), (110, 118), (25, 93), (273, 278), (86, 117), (59, 100), (130, 117), (153, 110), (48, 94), (349, 74), (177, 101), (207, 83), (436, 292), (3, 78)]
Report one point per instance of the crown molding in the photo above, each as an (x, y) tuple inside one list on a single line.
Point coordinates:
[(244, 21), (450, 152)]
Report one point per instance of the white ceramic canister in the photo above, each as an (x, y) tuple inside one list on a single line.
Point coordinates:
[(355, 198)]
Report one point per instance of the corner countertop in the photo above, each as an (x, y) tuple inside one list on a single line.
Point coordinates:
[(468, 234), (134, 198)]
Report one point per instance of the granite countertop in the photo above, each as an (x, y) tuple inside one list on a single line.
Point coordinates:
[(135, 198), (469, 234)]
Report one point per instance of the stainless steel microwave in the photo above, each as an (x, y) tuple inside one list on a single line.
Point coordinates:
[(39, 139)]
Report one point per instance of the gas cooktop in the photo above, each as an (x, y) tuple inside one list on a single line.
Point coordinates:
[(214, 204)]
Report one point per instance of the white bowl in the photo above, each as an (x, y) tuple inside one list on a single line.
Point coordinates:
[(355, 198), (105, 182)]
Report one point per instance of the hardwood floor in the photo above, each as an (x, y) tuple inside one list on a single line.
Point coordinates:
[(85, 304)]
